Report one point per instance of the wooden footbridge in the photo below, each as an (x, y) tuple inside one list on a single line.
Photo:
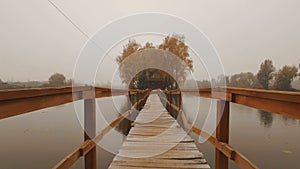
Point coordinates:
[(156, 139)]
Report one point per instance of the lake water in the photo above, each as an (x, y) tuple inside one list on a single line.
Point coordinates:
[(42, 138)]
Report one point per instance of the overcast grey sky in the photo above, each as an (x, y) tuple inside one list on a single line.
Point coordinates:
[(36, 40)]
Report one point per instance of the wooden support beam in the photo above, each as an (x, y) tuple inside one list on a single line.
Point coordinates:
[(280, 102), (14, 107), (222, 133), (285, 108), (12, 94), (90, 131)]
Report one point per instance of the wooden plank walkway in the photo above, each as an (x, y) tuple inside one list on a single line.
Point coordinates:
[(157, 141)]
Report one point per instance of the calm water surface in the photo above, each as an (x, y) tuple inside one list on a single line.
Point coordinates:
[(42, 138)]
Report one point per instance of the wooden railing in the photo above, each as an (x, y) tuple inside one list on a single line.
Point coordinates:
[(280, 102), (16, 102)]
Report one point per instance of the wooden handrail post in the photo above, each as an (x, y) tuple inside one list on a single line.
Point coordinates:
[(90, 128), (222, 132)]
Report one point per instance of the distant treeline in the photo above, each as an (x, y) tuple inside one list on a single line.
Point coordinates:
[(54, 80), (266, 78)]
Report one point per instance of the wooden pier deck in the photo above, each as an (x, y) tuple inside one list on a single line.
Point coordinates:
[(158, 141)]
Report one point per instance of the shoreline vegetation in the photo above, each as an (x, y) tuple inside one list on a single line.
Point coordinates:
[(286, 79), (268, 77)]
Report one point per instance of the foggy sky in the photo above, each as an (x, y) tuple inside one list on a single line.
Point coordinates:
[(37, 41)]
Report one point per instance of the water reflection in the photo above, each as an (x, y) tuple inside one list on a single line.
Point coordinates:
[(110, 109), (289, 121), (125, 125), (266, 118)]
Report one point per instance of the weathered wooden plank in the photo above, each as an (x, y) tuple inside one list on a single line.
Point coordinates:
[(162, 160), (280, 102), (20, 101), (290, 109), (139, 167), (157, 141), (105, 92), (20, 106), (222, 133), (90, 132), (259, 93), (6, 95), (137, 138), (284, 96), (187, 164)]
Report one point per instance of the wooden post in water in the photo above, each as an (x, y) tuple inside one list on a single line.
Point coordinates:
[(222, 132), (89, 127)]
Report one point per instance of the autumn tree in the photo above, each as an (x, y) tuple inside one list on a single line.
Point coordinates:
[(175, 44), (128, 49), (266, 73), (57, 79), (284, 77), (171, 44)]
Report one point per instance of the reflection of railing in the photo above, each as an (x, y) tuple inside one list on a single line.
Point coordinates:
[(284, 103), (16, 102)]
